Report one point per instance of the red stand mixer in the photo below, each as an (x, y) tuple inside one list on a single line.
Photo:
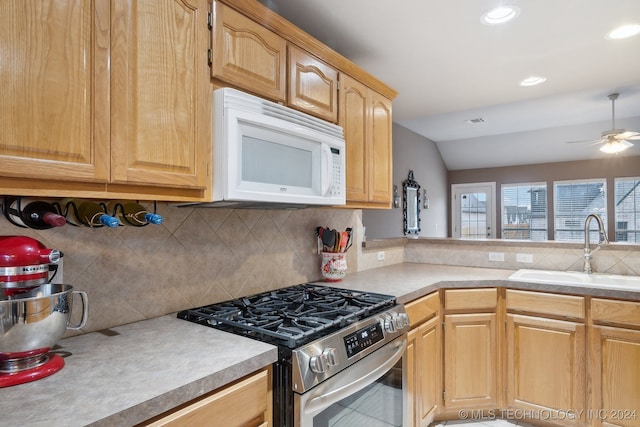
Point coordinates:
[(34, 314)]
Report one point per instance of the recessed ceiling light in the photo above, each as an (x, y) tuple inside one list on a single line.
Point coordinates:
[(500, 15), (533, 80), (624, 32)]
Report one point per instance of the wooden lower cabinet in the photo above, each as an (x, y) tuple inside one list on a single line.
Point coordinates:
[(555, 360), (245, 403), (424, 362), (615, 369), (546, 369), (470, 361)]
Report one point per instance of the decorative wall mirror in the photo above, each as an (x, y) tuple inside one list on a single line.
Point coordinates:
[(411, 205)]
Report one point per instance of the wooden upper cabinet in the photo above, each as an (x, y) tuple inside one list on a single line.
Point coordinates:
[(366, 119), (313, 85), (161, 92), (105, 97), (354, 118), (380, 159), (54, 113), (247, 55)]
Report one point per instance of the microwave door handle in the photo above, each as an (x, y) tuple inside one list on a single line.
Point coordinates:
[(327, 176)]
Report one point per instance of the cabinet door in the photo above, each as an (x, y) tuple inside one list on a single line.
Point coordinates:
[(161, 93), (428, 364), (470, 355), (366, 119), (242, 404), (380, 151), (354, 108), (412, 377), (546, 367), (247, 55), (615, 377), (313, 85), (54, 80)]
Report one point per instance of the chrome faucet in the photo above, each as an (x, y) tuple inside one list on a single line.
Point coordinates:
[(588, 253)]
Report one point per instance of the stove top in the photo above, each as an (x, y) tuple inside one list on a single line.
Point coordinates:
[(291, 316)]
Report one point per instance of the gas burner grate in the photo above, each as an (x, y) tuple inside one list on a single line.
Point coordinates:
[(291, 316)]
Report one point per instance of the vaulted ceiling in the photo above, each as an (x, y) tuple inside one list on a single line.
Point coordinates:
[(449, 69)]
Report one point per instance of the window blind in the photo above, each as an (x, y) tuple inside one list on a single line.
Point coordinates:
[(627, 209), (573, 202), (524, 211)]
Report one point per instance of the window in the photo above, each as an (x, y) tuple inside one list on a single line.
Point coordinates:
[(573, 202), (524, 211), (627, 209)]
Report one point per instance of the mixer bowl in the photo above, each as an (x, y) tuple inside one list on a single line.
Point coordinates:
[(32, 322)]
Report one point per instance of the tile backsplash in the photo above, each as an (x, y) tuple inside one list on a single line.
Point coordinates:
[(611, 259), (197, 256)]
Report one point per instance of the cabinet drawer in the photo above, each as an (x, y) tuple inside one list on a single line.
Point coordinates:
[(623, 312), (244, 403), (544, 303), (423, 308), (470, 299)]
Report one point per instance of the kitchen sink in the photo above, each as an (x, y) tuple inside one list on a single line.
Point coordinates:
[(575, 278)]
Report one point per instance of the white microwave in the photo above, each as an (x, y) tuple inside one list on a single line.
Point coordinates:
[(269, 155)]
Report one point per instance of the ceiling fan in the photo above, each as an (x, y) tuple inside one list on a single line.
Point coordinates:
[(614, 140)]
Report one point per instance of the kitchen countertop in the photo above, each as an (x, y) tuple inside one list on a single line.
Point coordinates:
[(133, 372), (409, 281), (130, 373)]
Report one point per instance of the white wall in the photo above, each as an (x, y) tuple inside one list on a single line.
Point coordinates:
[(413, 152)]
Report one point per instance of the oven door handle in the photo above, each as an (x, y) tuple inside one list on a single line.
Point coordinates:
[(337, 394)]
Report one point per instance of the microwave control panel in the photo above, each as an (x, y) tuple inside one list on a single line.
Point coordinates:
[(337, 185)]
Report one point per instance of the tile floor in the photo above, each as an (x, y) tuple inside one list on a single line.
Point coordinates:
[(482, 423)]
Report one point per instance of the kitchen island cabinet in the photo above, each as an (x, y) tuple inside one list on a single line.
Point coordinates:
[(115, 99)]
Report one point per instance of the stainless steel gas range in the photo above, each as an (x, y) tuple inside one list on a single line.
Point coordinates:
[(340, 352)]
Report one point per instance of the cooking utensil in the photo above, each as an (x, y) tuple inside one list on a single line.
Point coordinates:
[(328, 239), (32, 322)]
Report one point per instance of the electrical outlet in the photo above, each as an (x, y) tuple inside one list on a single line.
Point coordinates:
[(496, 256), (526, 258), (381, 256)]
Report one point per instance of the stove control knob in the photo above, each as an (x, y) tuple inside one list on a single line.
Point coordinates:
[(402, 320), (389, 324), (321, 362)]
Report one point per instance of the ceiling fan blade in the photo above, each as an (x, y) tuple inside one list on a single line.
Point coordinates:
[(587, 141), (628, 135)]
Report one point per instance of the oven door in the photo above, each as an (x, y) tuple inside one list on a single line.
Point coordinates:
[(371, 392)]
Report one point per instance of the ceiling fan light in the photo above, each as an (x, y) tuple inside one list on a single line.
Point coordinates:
[(624, 32), (613, 147), (500, 15)]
